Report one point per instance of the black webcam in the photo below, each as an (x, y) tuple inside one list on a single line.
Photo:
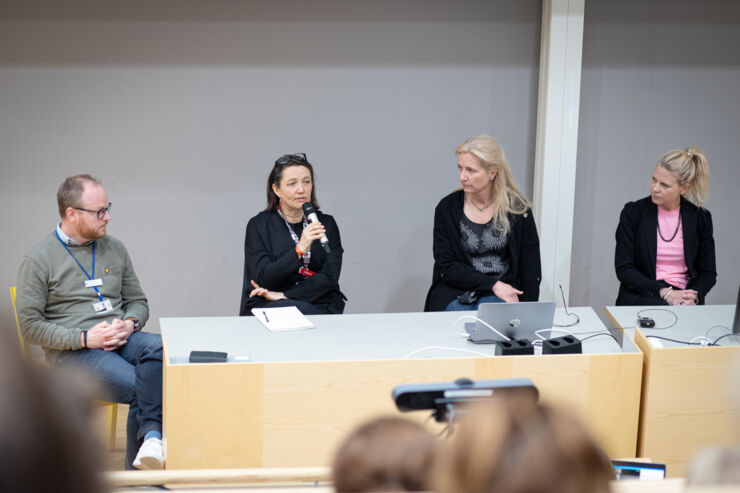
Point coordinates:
[(442, 396)]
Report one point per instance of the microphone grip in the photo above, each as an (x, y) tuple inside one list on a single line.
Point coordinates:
[(314, 218)]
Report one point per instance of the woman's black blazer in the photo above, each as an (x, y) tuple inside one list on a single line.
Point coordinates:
[(453, 272), (271, 261), (637, 246)]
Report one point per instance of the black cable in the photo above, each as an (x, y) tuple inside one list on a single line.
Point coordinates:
[(576, 322), (675, 318), (565, 306), (714, 327), (722, 337), (676, 340), (593, 332), (601, 334)]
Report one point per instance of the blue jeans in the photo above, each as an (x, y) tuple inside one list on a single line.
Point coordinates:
[(456, 306), (131, 375)]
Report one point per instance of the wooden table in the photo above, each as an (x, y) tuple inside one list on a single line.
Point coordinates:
[(302, 392), (689, 393)]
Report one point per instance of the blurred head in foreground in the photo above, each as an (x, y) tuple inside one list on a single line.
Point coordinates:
[(46, 443), (715, 466), (385, 454), (514, 445)]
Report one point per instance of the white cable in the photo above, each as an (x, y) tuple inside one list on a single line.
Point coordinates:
[(481, 321), (701, 338), (448, 349), (463, 334)]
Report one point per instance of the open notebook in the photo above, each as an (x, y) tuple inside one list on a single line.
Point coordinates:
[(282, 319)]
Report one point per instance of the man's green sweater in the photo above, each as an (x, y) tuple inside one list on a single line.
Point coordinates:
[(54, 306)]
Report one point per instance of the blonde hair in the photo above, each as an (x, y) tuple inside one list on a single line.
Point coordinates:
[(689, 166), (507, 198), (514, 445)]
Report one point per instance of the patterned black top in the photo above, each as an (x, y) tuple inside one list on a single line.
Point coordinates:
[(485, 245)]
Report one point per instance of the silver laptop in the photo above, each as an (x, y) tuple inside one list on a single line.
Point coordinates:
[(514, 320)]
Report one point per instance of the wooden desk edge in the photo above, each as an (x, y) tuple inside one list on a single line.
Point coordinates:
[(219, 476)]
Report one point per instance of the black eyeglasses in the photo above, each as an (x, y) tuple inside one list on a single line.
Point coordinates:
[(100, 212), (297, 158)]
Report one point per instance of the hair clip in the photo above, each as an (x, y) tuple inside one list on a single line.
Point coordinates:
[(689, 154)]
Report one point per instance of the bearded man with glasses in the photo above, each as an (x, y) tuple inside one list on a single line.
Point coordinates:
[(78, 298)]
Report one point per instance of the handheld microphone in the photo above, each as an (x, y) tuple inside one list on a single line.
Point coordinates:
[(310, 213)]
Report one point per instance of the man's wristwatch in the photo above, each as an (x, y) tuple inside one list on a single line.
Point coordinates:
[(137, 326)]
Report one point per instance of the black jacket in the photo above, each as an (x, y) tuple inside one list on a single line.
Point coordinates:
[(637, 246), (271, 261), (454, 274)]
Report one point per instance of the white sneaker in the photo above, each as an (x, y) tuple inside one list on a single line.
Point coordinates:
[(151, 455)]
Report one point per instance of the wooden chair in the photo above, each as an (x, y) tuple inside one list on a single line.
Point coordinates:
[(111, 419)]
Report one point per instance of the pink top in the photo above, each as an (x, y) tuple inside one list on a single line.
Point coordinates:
[(670, 264)]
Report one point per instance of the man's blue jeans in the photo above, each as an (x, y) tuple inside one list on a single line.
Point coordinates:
[(131, 375)]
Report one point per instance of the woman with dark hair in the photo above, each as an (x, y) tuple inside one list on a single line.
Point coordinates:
[(665, 243), (284, 265)]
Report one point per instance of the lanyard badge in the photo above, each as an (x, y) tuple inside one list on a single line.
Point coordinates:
[(304, 271), (102, 305)]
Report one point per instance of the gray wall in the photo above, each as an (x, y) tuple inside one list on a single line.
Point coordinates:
[(181, 107), (657, 75)]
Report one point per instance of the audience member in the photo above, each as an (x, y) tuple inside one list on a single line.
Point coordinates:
[(386, 454), (718, 465), (45, 441), (516, 446)]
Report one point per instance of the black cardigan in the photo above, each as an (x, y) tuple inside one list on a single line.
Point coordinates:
[(637, 246), (454, 274), (271, 261)]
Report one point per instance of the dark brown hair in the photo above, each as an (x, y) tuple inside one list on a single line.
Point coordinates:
[(46, 443), (71, 190), (386, 454), (286, 161), (517, 446)]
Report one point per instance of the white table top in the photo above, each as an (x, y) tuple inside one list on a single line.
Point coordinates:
[(354, 337), (682, 323)]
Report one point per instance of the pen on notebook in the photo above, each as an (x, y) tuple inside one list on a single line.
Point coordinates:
[(265, 314)]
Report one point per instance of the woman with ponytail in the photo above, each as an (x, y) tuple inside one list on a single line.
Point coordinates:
[(665, 244)]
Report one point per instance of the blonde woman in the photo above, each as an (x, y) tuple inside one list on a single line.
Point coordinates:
[(665, 244), (486, 247)]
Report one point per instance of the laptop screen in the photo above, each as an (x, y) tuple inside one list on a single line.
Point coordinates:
[(638, 470)]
